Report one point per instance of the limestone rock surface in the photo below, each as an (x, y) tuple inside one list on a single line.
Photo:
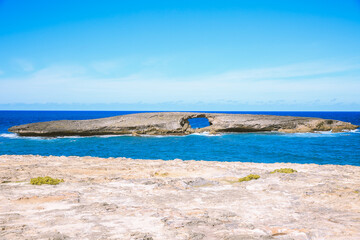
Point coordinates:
[(120, 198), (176, 123)]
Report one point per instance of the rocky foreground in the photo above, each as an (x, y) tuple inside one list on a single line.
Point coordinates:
[(120, 198), (176, 123)]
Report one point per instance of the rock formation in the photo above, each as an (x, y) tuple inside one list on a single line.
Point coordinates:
[(176, 123), (121, 198)]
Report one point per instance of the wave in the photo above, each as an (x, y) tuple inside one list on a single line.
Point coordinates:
[(206, 134), (111, 136), (158, 136), (318, 134), (9, 135), (96, 136), (15, 136)]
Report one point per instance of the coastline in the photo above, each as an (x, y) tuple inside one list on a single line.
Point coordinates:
[(122, 198)]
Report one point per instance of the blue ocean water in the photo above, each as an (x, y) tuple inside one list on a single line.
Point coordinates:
[(320, 148)]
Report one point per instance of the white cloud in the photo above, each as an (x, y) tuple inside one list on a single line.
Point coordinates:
[(73, 84), (107, 67), (289, 71), (155, 61), (25, 65), (54, 72)]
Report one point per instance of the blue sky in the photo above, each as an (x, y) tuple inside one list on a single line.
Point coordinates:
[(180, 55)]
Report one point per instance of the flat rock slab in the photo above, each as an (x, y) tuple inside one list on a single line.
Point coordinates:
[(176, 123), (120, 198)]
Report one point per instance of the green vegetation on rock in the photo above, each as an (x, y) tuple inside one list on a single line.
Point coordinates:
[(249, 177), (45, 180), (284, 170)]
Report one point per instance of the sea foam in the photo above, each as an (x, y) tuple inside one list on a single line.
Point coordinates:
[(9, 135), (15, 136)]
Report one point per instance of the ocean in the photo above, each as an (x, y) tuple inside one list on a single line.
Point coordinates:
[(264, 147)]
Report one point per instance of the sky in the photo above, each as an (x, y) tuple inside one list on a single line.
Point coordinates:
[(180, 55)]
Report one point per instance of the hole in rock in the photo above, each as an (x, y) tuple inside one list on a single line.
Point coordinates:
[(200, 122)]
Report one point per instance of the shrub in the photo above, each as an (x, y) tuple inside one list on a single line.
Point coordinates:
[(249, 177), (45, 180), (161, 174), (284, 170)]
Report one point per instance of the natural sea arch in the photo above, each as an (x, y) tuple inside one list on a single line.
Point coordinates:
[(199, 122)]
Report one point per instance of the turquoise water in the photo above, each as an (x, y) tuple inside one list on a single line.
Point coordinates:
[(320, 148)]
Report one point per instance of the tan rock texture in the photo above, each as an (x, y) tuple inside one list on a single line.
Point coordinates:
[(120, 198), (176, 123)]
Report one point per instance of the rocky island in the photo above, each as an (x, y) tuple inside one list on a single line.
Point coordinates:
[(176, 123)]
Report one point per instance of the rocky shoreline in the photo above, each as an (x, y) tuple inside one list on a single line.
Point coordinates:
[(176, 123), (120, 198)]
